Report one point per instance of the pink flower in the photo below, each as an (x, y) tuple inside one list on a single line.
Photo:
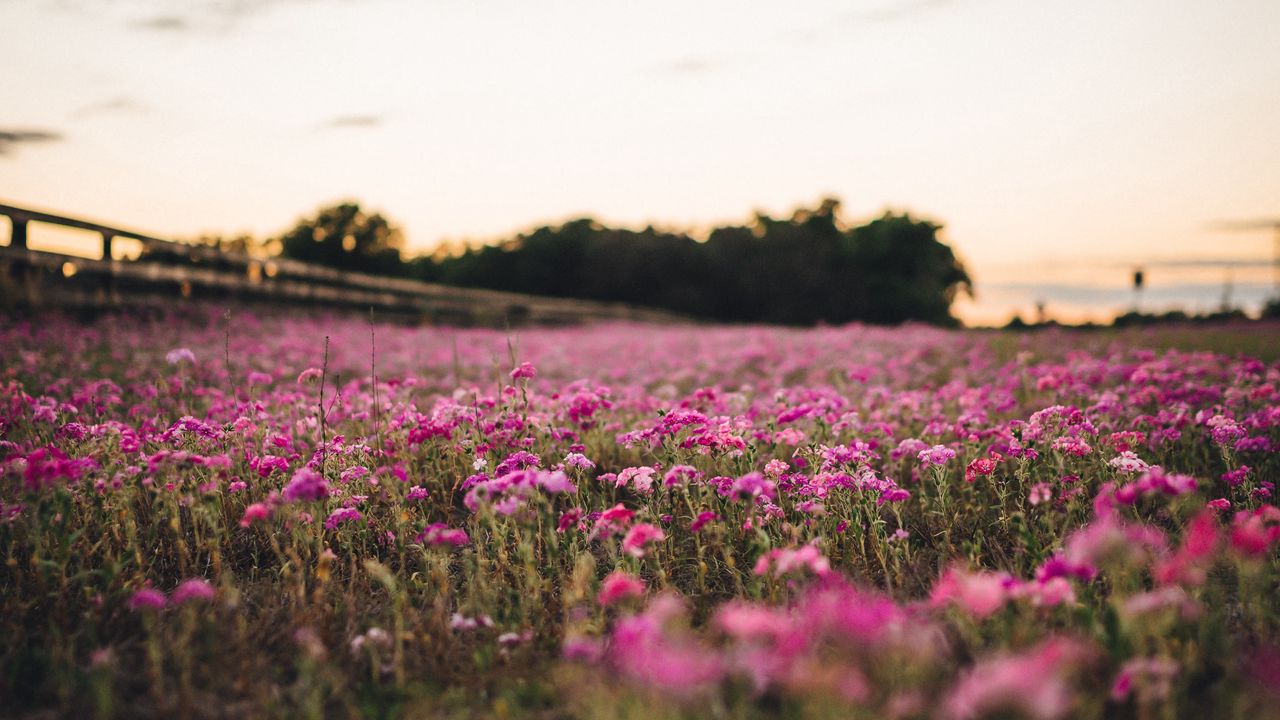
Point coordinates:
[(785, 561), (254, 513), (1199, 543), (680, 475), (640, 478), (775, 468), (982, 467), (701, 521), (437, 534), (193, 589), (525, 370), (1050, 593), (640, 535), (1108, 540), (1032, 684), (578, 648), (753, 485), (645, 651), (1237, 476), (981, 594), (340, 516), (619, 585), (937, 456), (612, 521), (1253, 532), (568, 519), (1152, 678), (310, 375), (745, 621), (1040, 493), (307, 485), (148, 599), (578, 460)]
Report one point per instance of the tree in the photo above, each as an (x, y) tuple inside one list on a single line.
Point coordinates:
[(798, 270), (909, 273), (346, 237)]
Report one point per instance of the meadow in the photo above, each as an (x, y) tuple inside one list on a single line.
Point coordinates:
[(229, 514)]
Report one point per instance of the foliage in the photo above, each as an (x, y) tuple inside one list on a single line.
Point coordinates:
[(346, 237), (800, 270)]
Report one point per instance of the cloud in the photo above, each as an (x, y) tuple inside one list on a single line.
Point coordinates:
[(894, 11), (10, 138), (164, 23), (688, 65), (351, 121), (201, 15), (881, 13), (110, 106)]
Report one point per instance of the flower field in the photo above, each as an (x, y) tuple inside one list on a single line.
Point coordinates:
[(270, 516)]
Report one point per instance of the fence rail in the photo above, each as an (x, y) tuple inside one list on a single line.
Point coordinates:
[(168, 271)]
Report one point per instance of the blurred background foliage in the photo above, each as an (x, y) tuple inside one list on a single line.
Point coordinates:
[(800, 270)]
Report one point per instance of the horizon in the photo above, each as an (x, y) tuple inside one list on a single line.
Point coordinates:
[(1113, 141)]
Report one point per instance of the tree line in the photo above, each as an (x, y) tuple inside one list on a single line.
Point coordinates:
[(803, 269)]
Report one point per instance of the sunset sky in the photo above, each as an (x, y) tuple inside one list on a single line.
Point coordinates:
[(1060, 143)]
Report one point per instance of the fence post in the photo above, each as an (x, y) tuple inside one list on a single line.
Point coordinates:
[(18, 238), (107, 237)]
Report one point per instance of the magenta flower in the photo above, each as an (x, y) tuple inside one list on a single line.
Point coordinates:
[(148, 599), (645, 652), (437, 534), (753, 485), (1033, 684), (1151, 678), (340, 516), (680, 475), (701, 521), (639, 536), (192, 589), (982, 467), (578, 648), (524, 370), (612, 521), (1254, 531), (786, 561), (618, 586), (578, 460), (640, 478), (979, 594), (307, 485), (937, 456), (310, 375), (255, 513), (568, 519)]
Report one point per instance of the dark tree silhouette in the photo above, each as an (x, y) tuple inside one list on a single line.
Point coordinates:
[(800, 270), (344, 236)]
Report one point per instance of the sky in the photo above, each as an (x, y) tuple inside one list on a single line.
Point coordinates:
[(1060, 144)]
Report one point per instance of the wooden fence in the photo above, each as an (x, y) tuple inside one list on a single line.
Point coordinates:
[(167, 272)]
